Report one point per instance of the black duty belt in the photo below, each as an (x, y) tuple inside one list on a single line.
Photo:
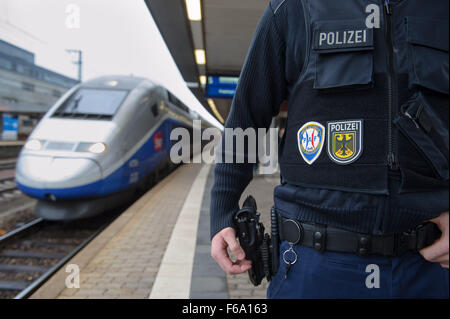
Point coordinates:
[(321, 238)]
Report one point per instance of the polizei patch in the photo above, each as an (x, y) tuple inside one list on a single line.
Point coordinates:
[(343, 39), (311, 137), (345, 141)]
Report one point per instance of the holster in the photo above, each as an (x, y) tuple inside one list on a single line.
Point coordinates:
[(260, 248)]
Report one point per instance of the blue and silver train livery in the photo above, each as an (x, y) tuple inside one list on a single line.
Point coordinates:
[(101, 141)]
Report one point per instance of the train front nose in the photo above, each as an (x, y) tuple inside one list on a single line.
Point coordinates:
[(56, 178)]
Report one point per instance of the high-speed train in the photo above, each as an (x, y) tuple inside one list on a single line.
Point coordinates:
[(97, 144)]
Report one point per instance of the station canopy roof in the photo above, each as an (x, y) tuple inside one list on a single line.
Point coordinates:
[(207, 37)]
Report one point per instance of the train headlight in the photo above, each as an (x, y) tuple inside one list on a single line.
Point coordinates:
[(97, 148), (33, 145)]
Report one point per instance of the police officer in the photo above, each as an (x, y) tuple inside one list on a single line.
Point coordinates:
[(364, 159)]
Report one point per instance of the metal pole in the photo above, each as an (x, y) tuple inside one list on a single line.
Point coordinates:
[(80, 65), (79, 62)]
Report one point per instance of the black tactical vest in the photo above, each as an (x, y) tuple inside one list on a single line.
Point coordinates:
[(371, 100)]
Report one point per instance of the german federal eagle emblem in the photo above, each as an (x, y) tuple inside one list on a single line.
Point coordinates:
[(345, 141)]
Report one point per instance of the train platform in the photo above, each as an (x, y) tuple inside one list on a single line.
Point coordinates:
[(160, 247)]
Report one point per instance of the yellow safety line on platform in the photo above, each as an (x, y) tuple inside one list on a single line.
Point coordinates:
[(173, 280)]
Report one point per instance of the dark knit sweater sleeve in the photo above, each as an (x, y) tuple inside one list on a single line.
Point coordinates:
[(260, 92)]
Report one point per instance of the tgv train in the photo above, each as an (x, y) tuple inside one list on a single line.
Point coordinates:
[(101, 141)]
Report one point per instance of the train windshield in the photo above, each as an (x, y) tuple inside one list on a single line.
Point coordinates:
[(92, 103)]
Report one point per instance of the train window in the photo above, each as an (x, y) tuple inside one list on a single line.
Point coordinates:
[(175, 101), (155, 110), (91, 103)]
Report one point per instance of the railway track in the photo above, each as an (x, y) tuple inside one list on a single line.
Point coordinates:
[(31, 254), (8, 188), (7, 184), (6, 164)]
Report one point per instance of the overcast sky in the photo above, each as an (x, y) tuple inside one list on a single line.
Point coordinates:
[(116, 37)]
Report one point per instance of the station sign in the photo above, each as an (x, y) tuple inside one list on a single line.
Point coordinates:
[(221, 86), (10, 123)]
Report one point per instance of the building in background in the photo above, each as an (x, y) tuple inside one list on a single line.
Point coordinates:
[(27, 91)]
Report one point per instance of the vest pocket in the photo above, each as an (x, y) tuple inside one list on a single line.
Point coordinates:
[(428, 53), (344, 54), (425, 130)]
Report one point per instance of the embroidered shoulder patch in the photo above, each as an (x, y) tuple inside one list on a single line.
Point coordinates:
[(345, 141), (311, 137)]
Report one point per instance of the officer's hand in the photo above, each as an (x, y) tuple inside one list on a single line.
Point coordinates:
[(438, 252), (227, 238)]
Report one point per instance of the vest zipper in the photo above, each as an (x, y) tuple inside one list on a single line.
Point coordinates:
[(392, 87)]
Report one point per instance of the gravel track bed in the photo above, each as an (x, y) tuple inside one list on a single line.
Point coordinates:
[(25, 259), (8, 294), (14, 221)]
